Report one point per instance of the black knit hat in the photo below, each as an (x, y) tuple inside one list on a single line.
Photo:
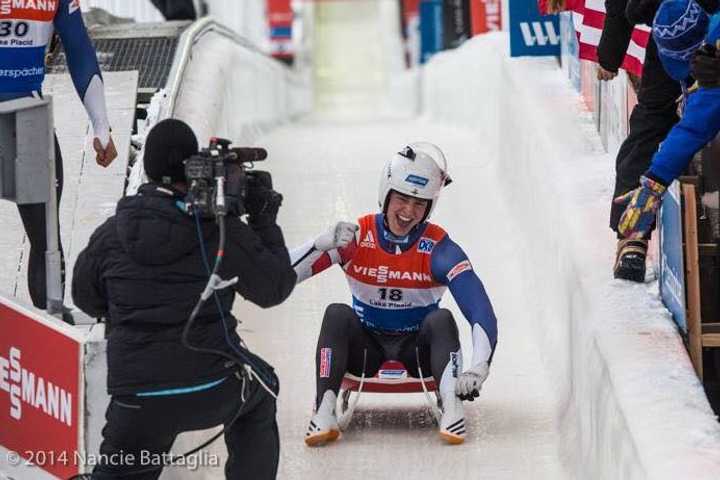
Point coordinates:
[(169, 143)]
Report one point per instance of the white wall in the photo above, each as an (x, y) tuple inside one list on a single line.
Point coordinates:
[(231, 91), (235, 92), (357, 52), (140, 10), (245, 17), (632, 406)]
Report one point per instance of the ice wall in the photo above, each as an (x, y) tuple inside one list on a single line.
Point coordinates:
[(631, 404), (226, 88), (245, 17)]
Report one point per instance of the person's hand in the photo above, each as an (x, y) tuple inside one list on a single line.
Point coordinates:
[(705, 66), (339, 236), (470, 382), (104, 156), (262, 202), (555, 6), (605, 75), (642, 206)]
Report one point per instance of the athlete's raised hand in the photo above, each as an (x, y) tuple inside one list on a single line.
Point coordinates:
[(339, 236)]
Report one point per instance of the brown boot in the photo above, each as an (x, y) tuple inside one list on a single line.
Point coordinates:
[(630, 260)]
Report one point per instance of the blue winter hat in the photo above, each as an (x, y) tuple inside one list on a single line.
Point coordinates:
[(679, 29)]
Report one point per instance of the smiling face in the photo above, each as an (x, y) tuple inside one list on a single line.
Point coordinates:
[(404, 213)]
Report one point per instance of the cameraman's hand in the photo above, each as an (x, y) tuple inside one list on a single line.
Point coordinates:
[(339, 236), (262, 202)]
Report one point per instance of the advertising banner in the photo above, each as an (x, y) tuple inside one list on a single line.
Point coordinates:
[(40, 392), (531, 33), (431, 28), (280, 19), (456, 22), (672, 267), (411, 31), (613, 112), (590, 89), (569, 50), (485, 16)]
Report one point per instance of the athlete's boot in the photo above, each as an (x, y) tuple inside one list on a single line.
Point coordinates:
[(323, 426), (630, 260), (452, 419)]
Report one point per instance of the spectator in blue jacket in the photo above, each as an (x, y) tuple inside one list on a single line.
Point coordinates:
[(686, 50)]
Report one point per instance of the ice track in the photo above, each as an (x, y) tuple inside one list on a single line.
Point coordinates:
[(328, 172)]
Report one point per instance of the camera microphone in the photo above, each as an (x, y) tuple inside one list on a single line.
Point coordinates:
[(249, 154)]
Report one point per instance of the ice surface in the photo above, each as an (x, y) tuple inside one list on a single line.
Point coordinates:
[(590, 379)]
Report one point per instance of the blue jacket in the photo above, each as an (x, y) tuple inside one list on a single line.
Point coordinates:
[(699, 124)]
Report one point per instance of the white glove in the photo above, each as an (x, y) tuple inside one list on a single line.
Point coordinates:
[(469, 383), (339, 236)]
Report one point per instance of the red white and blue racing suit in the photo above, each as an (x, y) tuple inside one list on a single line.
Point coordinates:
[(396, 287), (26, 28)]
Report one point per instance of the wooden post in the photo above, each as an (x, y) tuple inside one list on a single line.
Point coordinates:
[(692, 275)]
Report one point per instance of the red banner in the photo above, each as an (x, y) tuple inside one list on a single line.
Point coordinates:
[(411, 9), (40, 388), (485, 15), (280, 19)]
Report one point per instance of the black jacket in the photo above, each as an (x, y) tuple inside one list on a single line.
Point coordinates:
[(143, 270), (621, 16)]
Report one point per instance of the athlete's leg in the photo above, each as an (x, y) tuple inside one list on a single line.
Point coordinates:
[(438, 342), (33, 218), (343, 346)]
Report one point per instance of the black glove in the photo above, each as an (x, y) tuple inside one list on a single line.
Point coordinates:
[(262, 202), (705, 66)]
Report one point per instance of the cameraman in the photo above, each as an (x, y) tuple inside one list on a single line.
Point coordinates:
[(144, 270)]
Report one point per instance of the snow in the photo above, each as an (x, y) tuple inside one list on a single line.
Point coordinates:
[(629, 403), (590, 378)]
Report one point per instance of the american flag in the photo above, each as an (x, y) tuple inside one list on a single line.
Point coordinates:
[(589, 17)]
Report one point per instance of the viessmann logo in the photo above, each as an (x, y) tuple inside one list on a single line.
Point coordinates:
[(383, 273), (6, 6), (28, 389)]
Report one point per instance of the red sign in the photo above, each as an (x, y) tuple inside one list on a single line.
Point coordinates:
[(411, 9), (485, 16), (40, 388), (280, 19)]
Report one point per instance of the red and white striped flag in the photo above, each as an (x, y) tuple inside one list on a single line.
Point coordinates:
[(589, 21), (588, 18)]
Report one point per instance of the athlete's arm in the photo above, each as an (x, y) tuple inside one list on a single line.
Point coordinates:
[(335, 246), (450, 266), (84, 70)]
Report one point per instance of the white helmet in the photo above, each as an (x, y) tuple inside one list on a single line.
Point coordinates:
[(418, 170)]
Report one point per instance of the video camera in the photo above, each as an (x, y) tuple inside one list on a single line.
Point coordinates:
[(218, 177)]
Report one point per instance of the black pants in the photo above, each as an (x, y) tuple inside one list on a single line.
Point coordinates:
[(351, 345), (146, 427), (650, 121), (33, 218)]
